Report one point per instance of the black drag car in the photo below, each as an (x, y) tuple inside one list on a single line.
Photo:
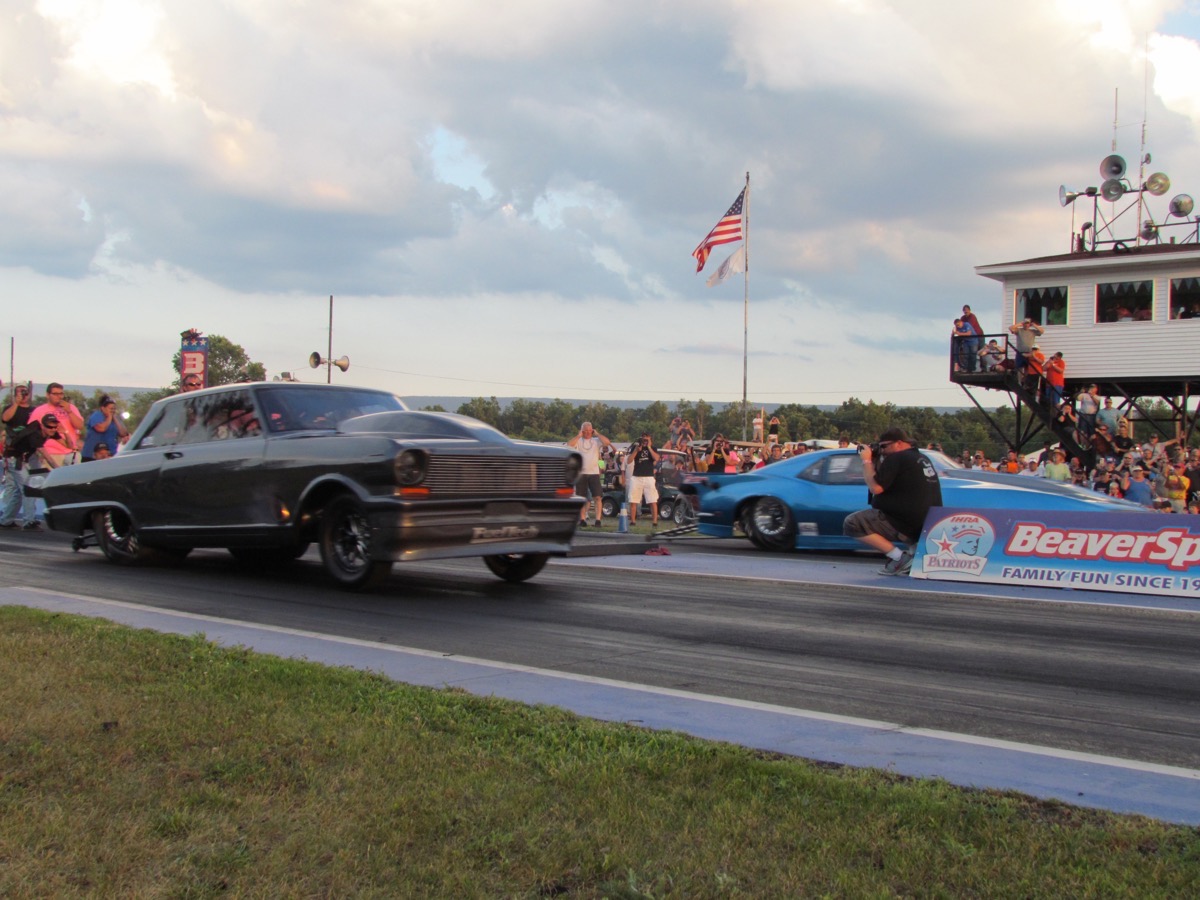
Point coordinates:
[(267, 469)]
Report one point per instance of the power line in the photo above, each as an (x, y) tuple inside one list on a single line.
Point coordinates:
[(655, 392)]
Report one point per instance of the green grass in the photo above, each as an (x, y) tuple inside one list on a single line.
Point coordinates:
[(135, 764)]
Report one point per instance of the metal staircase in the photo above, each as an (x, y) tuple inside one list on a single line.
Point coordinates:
[(1029, 394)]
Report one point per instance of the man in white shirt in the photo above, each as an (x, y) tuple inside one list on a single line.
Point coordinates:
[(589, 443)]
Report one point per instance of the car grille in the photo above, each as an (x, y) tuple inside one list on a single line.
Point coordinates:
[(494, 475)]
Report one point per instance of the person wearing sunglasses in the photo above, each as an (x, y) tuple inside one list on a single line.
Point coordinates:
[(902, 485), (64, 444)]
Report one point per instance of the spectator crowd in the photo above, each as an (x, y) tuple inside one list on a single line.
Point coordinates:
[(1156, 474), (53, 433)]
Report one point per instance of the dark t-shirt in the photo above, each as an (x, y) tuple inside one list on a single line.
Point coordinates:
[(643, 462), (15, 428), (910, 487), (1193, 474), (26, 446), (1122, 443)]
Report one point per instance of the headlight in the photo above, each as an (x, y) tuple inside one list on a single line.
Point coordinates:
[(574, 465), (410, 468)]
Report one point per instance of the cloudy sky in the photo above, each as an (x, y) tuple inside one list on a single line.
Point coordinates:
[(503, 197)]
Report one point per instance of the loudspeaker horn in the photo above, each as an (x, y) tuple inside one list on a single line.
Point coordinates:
[(1065, 197), (1181, 205), (1149, 230), (343, 363), (1112, 167), (314, 359), (1112, 190), (1158, 184)]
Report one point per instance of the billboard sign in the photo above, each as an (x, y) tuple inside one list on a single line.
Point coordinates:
[(193, 356), (1140, 553)]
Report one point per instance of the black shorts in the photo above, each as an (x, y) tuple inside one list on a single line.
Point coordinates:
[(872, 521), (586, 484)]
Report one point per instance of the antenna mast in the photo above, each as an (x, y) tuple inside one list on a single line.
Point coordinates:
[(1116, 97), (1143, 156)]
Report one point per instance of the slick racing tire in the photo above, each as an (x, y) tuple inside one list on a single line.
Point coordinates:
[(517, 567), (769, 525)]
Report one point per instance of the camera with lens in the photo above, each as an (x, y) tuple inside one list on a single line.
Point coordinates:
[(874, 448)]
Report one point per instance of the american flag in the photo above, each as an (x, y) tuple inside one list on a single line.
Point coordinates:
[(728, 230)]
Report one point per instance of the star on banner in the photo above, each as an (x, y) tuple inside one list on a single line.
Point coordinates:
[(726, 231)]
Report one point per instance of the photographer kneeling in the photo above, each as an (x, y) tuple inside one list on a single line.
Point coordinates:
[(903, 486)]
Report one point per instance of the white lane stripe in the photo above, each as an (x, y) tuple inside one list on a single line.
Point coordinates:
[(875, 725), (936, 587)]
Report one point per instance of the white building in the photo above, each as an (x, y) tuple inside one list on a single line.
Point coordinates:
[(1122, 317)]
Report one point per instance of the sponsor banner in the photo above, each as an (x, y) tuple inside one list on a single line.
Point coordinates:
[(193, 356), (1136, 553)]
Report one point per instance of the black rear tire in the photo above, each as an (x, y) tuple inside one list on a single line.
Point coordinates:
[(118, 539), (517, 567), (769, 525), (346, 546), (609, 507)]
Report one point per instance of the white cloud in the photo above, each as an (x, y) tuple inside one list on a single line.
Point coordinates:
[(116, 40), (517, 181), (1176, 62)]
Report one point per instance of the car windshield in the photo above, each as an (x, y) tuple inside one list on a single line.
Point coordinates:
[(413, 425), (845, 466), (300, 409), (941, 461)]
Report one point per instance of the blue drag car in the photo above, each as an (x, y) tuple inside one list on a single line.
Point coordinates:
[(800, 503)]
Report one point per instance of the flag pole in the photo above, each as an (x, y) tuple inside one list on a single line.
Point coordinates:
[(746, 309)]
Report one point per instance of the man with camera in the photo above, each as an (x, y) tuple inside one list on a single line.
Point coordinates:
[(1026, 333), (902, 485), (642, 484), (721, 455), (16, 430)]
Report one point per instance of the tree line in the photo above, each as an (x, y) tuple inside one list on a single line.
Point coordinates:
[(557, 420)]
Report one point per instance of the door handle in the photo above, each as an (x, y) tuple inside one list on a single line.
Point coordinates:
[(173, 454)]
